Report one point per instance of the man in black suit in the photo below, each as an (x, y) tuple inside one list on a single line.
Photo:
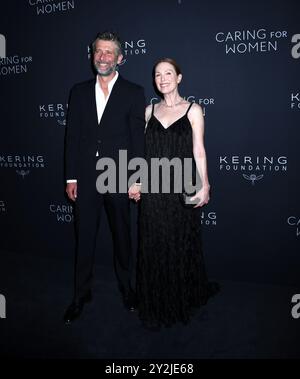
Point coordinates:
[(105, 116)]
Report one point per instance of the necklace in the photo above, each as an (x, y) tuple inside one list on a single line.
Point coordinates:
[(171, 106)]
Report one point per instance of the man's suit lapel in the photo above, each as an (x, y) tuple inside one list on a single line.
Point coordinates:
[(91, 104)]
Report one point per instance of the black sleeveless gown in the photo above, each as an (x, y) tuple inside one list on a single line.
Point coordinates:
[(171, 278)]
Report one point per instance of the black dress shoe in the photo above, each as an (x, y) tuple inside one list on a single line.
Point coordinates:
[(75, 309), (129, 300)]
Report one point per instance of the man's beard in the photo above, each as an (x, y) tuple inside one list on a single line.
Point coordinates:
[(109, 71)]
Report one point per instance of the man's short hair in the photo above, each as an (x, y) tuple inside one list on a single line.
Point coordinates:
[(108, 36)]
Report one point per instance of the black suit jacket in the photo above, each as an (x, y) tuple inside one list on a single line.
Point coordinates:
[(121, 127)]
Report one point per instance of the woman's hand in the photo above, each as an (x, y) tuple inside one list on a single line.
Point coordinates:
[(134, 192), (203, 196)]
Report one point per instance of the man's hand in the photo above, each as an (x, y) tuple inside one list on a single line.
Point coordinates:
[(71, 190)]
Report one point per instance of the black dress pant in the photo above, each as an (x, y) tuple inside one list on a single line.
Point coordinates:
[(88, 208)]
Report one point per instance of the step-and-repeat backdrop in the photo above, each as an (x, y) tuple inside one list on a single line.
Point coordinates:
[(240, 62)]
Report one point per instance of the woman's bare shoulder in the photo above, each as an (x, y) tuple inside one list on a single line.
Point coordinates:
[(196, 109)]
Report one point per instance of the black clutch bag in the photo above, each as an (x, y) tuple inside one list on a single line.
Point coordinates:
[(186, 195)]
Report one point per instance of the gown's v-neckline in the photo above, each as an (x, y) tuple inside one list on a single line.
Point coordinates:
[(166, 128)]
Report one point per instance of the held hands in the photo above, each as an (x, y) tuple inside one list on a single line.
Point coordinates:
[(71, 190), (134, 192), (202, 196)]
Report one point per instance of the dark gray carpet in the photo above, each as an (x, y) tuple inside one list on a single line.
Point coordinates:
[(245, 320)]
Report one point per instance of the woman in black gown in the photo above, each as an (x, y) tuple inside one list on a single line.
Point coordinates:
[(171, 277)]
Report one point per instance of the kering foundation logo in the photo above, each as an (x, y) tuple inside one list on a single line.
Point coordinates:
[(55, 111), (295, 223), (296, 48), (22, 164), (208, 218), (46, 7), (253, 178), (250, 41), (133, 48), (253, 168), (62, 213), (129, 48), (295, 100)]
